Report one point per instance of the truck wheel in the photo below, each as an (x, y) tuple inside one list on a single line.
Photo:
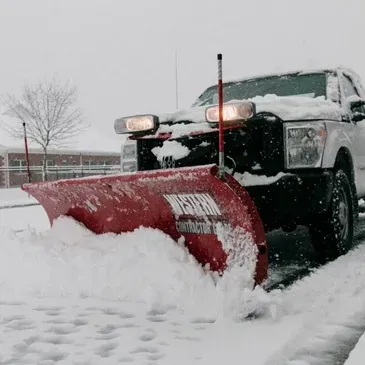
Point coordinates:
[(332, 233)]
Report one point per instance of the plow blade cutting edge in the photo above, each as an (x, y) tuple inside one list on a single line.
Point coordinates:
[(192, 202)]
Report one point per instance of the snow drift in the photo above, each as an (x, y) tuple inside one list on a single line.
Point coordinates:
[(145, 266)]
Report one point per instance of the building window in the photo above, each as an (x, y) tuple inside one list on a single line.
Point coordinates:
[(90, 163), (18, 163)]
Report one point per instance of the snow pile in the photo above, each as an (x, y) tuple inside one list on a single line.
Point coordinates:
[(247, 179), (181, 129), (192, 114), (171, 148), (145, 266), (237, 297), (185, 122)]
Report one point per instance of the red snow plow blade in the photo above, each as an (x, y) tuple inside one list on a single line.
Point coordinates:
[(186, 202)]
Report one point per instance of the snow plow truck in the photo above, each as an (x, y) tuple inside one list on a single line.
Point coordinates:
[(250, 156)]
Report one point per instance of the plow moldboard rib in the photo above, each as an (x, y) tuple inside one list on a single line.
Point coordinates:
[(185, 202)]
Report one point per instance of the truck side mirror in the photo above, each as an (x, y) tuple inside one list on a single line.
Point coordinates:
[(357, 108), (358, 117)]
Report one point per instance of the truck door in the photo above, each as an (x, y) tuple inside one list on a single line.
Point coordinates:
[(350, 90)]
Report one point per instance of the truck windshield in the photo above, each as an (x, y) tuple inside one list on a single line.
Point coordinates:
[(310, 85)]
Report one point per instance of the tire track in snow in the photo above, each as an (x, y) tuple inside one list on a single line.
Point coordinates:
[(335, 317), (292, 258), (332, 345), (18, 205)]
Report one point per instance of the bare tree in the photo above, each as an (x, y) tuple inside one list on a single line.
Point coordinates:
[(49, 112)]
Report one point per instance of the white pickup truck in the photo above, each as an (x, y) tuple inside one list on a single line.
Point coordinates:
[(296, 141)]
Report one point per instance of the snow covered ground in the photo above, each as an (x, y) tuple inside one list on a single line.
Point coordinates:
[(357, 355), (15, 196), (70, 297)]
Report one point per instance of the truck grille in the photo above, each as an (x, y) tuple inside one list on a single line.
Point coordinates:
[(260, 142), (146, 159)]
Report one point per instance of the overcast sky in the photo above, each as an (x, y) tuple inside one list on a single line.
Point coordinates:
[(120, 53)]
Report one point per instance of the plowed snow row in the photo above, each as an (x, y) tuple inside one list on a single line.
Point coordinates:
[(144, 266)]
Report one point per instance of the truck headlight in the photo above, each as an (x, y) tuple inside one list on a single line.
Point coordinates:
[(304, 144), (135, 124), (232, 112)]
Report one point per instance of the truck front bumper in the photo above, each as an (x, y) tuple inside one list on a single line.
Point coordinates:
[(293, 199)]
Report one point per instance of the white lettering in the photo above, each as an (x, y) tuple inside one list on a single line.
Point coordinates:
[(199, 208), (194, 227), (187, 207), (174, 204), (193, 204), (209, 204)]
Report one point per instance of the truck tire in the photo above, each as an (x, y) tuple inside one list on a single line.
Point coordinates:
[(332, 233)]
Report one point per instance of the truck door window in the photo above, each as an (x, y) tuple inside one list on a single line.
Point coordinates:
[(349, 88)]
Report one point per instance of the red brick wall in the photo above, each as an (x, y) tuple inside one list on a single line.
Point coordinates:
[(2, 173)]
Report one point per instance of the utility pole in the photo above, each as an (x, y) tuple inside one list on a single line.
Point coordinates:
[(26, 151)]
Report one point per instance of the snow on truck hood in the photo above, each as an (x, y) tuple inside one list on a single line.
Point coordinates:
[(287, 108), (298, 107)]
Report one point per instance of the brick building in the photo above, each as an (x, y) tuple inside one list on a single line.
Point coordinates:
[(61, 163)]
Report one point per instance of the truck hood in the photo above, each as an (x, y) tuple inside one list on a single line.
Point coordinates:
[(287, 108)]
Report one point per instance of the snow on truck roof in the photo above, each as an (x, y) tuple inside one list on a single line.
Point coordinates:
[(284, 73), (276, 74), (344, 69)]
